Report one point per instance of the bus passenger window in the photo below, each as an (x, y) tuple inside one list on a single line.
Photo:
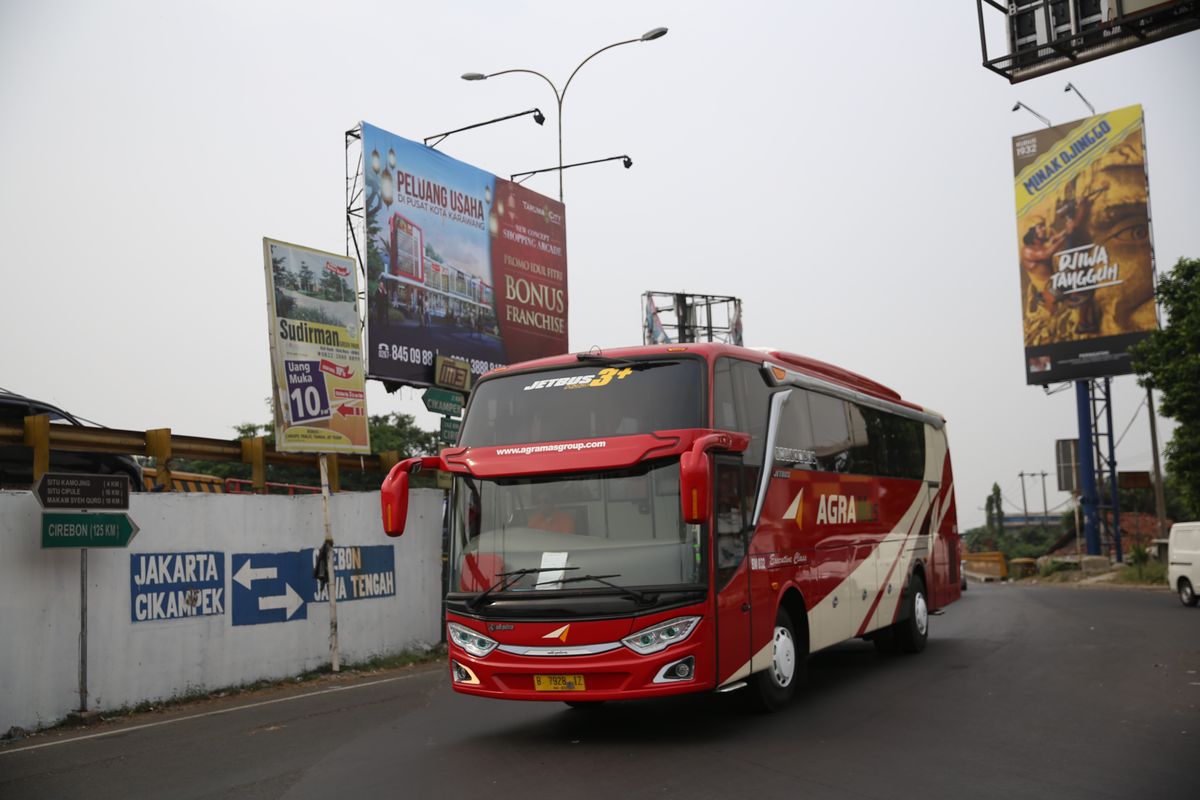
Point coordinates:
[(831, 432)]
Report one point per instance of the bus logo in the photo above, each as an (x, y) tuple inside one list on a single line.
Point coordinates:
[(796, 510), (559, 633)]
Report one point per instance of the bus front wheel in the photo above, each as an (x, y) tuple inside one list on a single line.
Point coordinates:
[(913, 632), (773, 687)]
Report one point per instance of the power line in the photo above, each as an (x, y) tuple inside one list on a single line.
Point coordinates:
[(1136, 411)]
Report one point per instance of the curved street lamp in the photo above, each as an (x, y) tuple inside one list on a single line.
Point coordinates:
[(648, 36)]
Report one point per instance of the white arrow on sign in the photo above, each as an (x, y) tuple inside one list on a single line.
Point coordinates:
[(289, 600), (248, 574)]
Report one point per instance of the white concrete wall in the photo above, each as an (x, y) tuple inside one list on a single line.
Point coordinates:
[(129, 662)]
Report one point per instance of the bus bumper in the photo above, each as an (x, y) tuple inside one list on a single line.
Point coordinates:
[(619, 674)]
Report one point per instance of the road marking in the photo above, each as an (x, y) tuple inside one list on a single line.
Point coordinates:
[(208, 714)]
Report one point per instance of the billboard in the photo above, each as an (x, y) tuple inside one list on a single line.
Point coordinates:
[(460, 263), (318, 384), (1083, 237)]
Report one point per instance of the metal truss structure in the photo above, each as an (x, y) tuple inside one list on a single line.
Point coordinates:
[(669, 317), (1045, 36)]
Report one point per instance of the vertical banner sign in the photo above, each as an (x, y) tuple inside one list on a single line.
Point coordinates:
[(459, 263), (316, 351), (1086, 258)]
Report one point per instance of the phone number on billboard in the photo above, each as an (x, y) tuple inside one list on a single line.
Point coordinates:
[(419, 355)]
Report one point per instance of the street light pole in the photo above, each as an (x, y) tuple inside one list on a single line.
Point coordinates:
[(530, 173), (648, 36)]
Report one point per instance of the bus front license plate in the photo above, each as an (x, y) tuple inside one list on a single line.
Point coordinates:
[(558, 683)]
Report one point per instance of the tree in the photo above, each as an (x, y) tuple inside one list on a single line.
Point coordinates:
[(393, 431), (1169, 361), (995, 512)]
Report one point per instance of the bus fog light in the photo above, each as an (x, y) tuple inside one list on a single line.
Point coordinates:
[(660, 636), (463, 674), (682, 670)]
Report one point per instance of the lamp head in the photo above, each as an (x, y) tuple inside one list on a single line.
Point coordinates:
[(654, 33), (1017, 107), (627, 161), (539, 117), (474, 76), (1068, 87)]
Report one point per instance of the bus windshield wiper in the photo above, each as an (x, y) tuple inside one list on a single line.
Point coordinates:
[(640, 364), (625, 590), (508, 579)]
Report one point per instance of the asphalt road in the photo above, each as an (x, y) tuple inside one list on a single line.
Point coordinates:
[(1023, 692)]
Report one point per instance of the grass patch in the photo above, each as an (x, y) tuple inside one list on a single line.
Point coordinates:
[(1152, 573), (1056, 568), (379, 663)]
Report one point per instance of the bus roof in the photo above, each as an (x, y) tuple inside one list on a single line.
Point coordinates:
[(712, 350)]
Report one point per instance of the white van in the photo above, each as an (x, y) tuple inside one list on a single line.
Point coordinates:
[(1183, 561)]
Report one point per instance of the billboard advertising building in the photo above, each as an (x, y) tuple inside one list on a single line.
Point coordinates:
[(460, 263), (1085, 252)]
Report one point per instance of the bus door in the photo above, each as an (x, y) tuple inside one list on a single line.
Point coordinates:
[(731, 569), (940, 571)]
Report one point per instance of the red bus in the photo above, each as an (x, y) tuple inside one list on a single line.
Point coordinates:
[(668, 519)]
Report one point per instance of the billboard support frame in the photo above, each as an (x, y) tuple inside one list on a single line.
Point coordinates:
[(1061, 51), (355, 202), (691, 318)]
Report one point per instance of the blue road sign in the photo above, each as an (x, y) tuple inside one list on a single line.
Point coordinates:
[(277, 587), (176, 585), (271, 587)]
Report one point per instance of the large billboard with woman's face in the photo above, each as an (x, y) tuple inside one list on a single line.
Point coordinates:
[(1085, 254), (460, 263)]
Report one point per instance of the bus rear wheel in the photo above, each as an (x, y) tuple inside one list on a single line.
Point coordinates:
[(772, 688)]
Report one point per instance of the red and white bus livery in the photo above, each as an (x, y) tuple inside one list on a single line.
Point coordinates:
[(669, 519)]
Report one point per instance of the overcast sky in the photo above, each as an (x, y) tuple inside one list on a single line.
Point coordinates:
[(844, 168)]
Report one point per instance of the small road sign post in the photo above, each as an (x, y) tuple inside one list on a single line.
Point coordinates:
[(100, 492), (76, 512), (443, 401), (83, 529), (449, 430)]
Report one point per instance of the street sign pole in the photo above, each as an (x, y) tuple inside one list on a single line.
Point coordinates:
[(331, 584), (74, 514), (83, 692)]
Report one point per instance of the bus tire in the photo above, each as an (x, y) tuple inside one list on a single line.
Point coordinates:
[(1187, 595), (772, 688), (913, 631)]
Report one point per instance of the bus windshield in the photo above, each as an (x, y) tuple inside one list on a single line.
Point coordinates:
[(599, 399), (622, 527)]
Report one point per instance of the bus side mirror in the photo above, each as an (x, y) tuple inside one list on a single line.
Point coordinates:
[(393, 497), (393, 494), (695, 478), (695, 472)]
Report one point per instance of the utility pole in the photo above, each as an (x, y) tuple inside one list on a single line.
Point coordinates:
[(1045, 505), (1024, 504), (1160, 503)]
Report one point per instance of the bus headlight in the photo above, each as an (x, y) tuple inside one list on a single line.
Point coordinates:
[(660, 636), (473, 642)]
